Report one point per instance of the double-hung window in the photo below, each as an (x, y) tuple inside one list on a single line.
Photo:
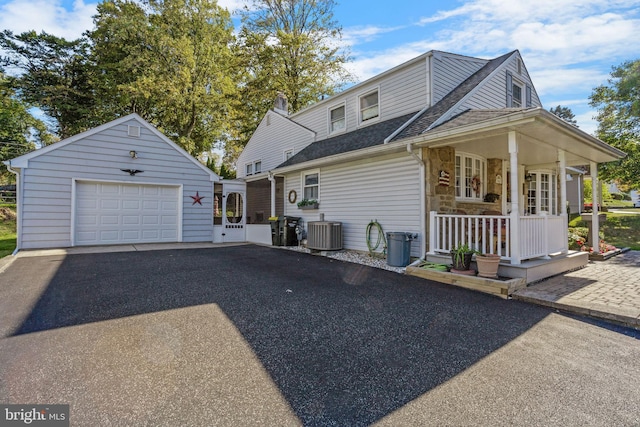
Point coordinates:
[(311, 185), (470, 177), (337, 119), (516, 101), (257, 166), (369, 106), (248, 169)]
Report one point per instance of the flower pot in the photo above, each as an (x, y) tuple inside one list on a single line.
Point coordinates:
[(488, 265), (461, 263)]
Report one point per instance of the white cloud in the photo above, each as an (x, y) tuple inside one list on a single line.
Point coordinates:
[(47, 15), (355, 35)]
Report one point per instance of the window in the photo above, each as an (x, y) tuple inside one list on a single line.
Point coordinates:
[(369, 108), (257, 166), (541, 193), (470, 177), (516, 101), (288, 154), (337, 119), (248, 169), (311, 185)]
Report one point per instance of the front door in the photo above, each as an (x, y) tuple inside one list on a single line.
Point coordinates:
[(233, 213)]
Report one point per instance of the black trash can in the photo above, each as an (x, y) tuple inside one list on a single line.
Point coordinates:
[(289, 236), (276, 230), (399, 249)]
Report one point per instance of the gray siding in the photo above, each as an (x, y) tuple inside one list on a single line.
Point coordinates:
[(401, 92), (492, 94), (272, 138), (386, 189), (450, 70), (47, 182)]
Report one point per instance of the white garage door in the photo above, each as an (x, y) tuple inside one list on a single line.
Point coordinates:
[(111, 213)]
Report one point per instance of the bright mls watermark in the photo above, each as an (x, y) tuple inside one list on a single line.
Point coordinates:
[(34, 415)]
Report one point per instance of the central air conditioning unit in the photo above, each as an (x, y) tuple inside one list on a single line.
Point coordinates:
[(324, 235)]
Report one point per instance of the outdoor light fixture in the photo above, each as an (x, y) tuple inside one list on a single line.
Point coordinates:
[(528, 177), (133, 154)]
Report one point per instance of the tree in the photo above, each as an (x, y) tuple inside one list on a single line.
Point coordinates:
[(20, 132), (565, 114), (288, 46), (54, 75), (618, 105), (171, 62)]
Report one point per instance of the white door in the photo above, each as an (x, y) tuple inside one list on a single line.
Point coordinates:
[(234, 213), (112, 213)]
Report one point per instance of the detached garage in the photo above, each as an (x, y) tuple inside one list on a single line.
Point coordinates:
[(120, 183)]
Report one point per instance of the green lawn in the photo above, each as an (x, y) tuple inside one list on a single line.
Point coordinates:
[(620, 229), (7, 232)]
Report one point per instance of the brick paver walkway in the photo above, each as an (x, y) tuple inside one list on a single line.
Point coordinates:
[(604, 289)]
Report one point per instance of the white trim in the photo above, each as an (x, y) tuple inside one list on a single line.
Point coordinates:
[(303, 174), (23, 161), (375, 119), (463, 155), (75, 181)]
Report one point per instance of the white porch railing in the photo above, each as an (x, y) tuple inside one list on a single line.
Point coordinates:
[(540, 236), (484, 233)]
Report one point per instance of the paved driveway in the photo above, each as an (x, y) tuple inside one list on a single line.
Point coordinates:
[(259, 336)]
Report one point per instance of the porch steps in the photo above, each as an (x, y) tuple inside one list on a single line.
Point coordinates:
[(533, 270)]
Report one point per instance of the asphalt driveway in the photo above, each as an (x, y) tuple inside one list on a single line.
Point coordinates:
[(250, 335)]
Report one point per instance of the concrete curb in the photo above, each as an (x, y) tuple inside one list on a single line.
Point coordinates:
[(6, 262), (597, 311)]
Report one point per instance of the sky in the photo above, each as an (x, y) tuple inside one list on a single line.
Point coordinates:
[(568, 46)]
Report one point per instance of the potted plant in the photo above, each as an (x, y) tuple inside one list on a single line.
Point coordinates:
[(488, 265), (461, 257), (491, 197), (306, 204)]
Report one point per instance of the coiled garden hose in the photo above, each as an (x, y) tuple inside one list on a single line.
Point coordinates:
[(381, 238)]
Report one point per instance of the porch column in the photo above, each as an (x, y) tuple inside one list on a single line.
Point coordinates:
[(515, 196), (595, 197), (272, 180), (562, 163)]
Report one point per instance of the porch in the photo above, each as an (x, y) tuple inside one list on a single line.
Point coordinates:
[(530, 247)]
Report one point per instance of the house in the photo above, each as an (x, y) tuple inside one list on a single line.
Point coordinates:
[(120, 183), (453, 148)]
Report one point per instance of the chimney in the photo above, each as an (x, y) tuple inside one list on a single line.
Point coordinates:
[(280, 104)]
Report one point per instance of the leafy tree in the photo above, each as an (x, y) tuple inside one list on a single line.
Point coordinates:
[(20, 132), (288, 46), (170, 61), (54, 76), (618, 104), (565, 114)]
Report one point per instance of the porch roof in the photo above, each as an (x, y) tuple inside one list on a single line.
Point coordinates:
[(539, 133)]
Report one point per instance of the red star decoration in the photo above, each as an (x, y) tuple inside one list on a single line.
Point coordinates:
[(197, 199)]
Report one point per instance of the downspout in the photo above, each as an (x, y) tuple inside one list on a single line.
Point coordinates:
[(272, 180), (18, 207), (423, 212)]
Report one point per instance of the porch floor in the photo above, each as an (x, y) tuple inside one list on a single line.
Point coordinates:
[(533, 270)]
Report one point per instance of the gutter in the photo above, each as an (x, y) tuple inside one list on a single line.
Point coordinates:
[(423, 206)]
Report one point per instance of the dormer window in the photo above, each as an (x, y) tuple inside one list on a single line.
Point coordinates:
[(369, 106), (337, 119)]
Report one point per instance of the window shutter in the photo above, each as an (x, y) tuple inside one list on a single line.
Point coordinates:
[(509, 89), (528, 95)]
